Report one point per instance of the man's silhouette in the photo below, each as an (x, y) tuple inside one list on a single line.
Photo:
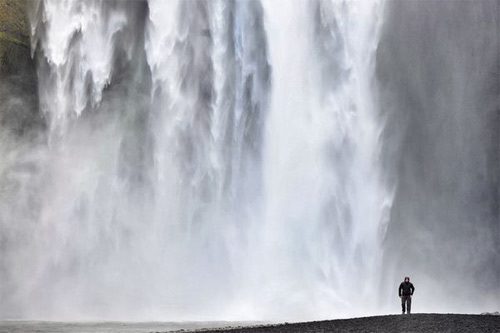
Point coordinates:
[(406, 289)]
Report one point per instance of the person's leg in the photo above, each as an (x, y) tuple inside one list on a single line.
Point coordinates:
[(409, 305), (403, 303)]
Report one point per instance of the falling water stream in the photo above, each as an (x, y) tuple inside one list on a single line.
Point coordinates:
[(203, 160)]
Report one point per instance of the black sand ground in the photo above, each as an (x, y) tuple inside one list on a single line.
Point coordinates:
[(415, 323), (421, 323)]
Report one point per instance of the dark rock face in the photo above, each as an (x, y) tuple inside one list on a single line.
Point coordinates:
[(18, 82)]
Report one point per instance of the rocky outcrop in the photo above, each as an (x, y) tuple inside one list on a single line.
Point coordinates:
[(18, 84)]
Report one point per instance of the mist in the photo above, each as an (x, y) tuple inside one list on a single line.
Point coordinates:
[(250, 160)]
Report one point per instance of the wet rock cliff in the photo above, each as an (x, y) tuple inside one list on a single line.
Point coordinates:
[(18, 83)]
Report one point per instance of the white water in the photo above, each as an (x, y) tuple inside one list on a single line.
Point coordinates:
[(326, 206), (230, 169), (77, 66)]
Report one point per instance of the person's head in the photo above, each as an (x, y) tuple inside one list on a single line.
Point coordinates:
[(407, 279)]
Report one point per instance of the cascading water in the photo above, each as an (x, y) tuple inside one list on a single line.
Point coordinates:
[(325, 202), (202, 160)]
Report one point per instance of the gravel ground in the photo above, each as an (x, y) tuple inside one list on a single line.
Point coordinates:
[(421, 323)]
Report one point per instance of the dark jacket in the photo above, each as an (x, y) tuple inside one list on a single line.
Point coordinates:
[(406, 289)]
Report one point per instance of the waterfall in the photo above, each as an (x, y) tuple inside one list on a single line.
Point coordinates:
[(204, 160), (326, 203)]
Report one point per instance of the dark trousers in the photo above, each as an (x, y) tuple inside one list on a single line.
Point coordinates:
[(406, 303)]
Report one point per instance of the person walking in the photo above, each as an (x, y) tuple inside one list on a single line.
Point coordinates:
[(406, 290)]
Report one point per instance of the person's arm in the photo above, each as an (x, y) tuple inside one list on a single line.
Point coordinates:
[(412, 288), (400, 289)]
